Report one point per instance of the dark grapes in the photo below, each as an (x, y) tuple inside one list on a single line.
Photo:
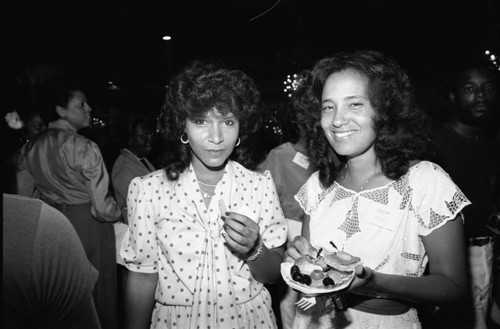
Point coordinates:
[(306, 279), (297, 277), (328, 281), (294, 269)]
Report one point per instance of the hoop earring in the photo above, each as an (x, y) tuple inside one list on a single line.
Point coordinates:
[(184, 141), (237, 142)]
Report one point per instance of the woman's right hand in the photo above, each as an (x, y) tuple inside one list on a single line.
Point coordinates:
[(296, 248)]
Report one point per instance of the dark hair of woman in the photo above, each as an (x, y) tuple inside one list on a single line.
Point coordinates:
[(403, 130), (198, 89), (300, 102), (59, 92)]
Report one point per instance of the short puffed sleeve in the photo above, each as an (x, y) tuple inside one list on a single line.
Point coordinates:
[(274, 227), (436, 199), (310, 194), (139, 248)]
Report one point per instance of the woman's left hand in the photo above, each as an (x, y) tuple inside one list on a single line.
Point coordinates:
[(363, 281), (241, 233)]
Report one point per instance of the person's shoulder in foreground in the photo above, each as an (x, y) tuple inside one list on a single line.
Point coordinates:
[(47, 278)]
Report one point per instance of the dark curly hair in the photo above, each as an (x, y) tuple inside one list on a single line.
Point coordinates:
[(403, 130), (196, 90)]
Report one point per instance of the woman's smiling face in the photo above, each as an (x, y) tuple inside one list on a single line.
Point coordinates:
[(212, 138), (347, 116)]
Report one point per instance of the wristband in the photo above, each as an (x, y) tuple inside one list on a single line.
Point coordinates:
[(260, 248)]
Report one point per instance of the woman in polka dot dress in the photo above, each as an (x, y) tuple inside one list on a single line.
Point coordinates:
[(374, 197), (205, 233)]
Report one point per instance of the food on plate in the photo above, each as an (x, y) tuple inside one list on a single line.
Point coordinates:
[(341, 260), (322, 271)]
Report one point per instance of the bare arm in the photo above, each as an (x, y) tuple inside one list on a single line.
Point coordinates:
[(298, 246), (306, 233), (446, 281), (266, 268), (139, 299)]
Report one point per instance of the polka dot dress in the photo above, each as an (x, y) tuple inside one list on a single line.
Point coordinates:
[(172, 232)]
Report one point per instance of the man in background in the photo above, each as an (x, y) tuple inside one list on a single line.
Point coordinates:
[(469, 154)]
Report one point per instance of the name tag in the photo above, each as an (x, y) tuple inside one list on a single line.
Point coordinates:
[(301, 160), (383, 216)]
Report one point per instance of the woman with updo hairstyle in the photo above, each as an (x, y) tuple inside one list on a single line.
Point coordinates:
[(205, 233), (67, 171), (375, 196)]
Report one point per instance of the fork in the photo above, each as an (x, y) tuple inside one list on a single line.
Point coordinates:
[(306, 303)]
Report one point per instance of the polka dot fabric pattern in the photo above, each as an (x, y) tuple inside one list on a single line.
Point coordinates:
[(172, 232)]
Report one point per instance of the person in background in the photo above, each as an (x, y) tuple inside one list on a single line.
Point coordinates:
[(35, 124), (471, 157), (374, 196), (205, 233), (23, 128), (68, 172), (47, 280), (289, 166), (132, 161), (30, 124)]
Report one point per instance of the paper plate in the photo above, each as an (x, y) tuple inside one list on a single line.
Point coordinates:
[(341, 282)]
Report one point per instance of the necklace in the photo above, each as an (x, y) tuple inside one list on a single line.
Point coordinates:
[(365, 183), (207, 185), (362, 187), (207, 190)]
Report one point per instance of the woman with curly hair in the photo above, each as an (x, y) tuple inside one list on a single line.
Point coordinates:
[(205, 233), (374, 196)]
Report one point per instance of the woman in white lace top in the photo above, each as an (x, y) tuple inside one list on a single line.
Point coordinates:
[(374, 196)]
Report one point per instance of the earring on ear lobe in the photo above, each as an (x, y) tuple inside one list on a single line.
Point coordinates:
[(184, 139), (237, 142)]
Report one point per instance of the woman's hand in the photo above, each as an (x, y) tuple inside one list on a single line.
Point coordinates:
[(296, 248), (241, 233), (363, 281)]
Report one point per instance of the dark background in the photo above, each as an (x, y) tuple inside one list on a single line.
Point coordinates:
[(120, 41)]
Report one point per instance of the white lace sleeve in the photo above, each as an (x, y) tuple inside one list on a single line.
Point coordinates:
[(308, 195), (436, 199)]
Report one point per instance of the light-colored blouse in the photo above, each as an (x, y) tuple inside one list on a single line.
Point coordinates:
[(67, 168), (290, 170), (384, 226)]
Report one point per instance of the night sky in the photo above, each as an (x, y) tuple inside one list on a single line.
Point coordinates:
[(120, 41)]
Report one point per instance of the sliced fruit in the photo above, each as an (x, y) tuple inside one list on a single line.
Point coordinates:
[(317, 275)]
